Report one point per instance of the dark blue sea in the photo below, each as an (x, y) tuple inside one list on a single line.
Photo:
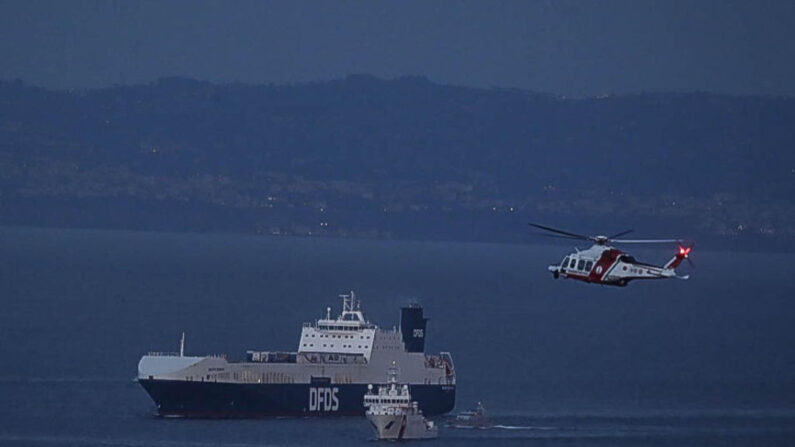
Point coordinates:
[(709, 361)]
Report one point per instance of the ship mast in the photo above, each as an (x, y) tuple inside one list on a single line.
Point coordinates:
[(392, 374)]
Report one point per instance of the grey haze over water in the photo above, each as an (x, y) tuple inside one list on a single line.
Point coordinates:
[(700, 362), (573, 48)]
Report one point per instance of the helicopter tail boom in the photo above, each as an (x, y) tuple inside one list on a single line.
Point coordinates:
[(681, 254)]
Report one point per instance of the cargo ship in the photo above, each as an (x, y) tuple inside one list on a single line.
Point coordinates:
[(327, 376)]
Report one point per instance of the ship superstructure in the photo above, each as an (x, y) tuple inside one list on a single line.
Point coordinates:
[(328, 374)]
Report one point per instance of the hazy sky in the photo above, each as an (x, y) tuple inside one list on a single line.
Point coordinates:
[(564, 47)]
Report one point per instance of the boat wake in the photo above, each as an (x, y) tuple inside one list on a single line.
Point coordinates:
[(526, 427)]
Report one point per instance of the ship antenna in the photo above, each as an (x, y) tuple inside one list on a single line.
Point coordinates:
[(328, 314), (346, 304), (182, 345)]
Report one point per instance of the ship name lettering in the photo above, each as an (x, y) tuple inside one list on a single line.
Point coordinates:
[(323, 399)]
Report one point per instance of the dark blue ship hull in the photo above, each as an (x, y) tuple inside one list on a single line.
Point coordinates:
[(236, 400)]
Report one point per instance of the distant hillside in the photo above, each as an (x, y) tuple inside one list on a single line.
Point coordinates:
[(396, 158)]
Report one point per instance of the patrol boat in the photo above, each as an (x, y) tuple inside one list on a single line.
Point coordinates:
[(394, 415), (327, 376), (475, 418)]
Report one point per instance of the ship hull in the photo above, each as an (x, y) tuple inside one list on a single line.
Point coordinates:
[(258, 400), (401, 426)]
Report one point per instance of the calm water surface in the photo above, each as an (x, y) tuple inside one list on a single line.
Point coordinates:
[(708, 361)]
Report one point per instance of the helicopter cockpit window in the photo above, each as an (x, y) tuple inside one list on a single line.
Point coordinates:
[(581, 264), (565, 262), (588, 266), (573, 263)]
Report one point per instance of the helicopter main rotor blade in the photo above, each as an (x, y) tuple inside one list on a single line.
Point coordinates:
[(620, 234), (644, 241), (558, 236), (565, 233)]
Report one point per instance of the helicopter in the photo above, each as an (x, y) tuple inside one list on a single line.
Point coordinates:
[(603, 264)]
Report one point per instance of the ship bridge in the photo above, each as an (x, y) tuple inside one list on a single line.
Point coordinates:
[(350, 334)]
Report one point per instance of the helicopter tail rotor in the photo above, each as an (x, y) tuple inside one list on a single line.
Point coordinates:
[(682, 253), (690, 260)]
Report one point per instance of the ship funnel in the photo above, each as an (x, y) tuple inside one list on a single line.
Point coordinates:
[(412, 327)]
